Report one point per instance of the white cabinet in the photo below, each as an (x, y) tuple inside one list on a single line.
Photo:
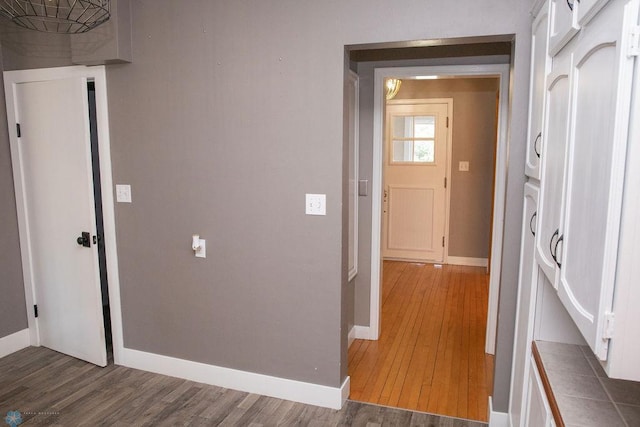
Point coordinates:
[(563, 23), (587, 245), (553, 163), (587, 183), (540, 67), (538, 412), (588, 8), (525, 308)]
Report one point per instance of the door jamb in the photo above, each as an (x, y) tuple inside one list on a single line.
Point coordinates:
[(498, 70), (98, 75), (449, 152)]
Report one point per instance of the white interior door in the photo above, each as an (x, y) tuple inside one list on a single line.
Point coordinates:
[(414, 175), (58, 189)]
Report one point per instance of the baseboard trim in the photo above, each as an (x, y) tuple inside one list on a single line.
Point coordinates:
[(497, 419), (352, 335), (471, 262), (362, 332), (14, 342), (281, 388)]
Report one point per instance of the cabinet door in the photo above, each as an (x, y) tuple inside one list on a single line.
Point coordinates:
[(528, 284), (588, 9), (553, 164), (563, 23), (601, 96), (540, 67), (538, 412)]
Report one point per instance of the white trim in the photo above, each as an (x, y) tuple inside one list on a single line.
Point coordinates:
[(498, 70), (363, 333), (98, 75), (352, 335), (471, 262), (354, 79), (281, 388), (14, 342), (497, 419)]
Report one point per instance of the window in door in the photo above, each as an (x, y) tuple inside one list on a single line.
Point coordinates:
[(413, 139)]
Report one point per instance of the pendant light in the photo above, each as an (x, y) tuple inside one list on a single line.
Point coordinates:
[(57, 16)]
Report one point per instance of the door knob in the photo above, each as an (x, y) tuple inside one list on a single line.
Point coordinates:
[(84, 240)]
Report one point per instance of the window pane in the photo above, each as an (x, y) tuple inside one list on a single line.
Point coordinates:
[(424, 151), (402, 127), (402, 151), (425, 126)]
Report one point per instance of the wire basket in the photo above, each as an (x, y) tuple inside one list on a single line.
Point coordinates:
[(57, 16)]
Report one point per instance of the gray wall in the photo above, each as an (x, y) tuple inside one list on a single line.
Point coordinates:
[(229, 113), (474, 140), (13, 314)]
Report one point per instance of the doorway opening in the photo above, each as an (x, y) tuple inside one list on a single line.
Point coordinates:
[(486, 63)]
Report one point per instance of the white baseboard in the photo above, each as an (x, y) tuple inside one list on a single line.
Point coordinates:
[(471, 262), (362, 332), (281, 388), (14, 342), (497, 419), (352, 335)]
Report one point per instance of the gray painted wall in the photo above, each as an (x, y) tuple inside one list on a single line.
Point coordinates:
[(229, 113), (474, 140), (13, 314)]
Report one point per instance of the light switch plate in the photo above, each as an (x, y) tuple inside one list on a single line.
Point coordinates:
[(463, 166), (123, 193), (316, 204)]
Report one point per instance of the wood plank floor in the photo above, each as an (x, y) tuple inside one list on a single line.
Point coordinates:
[(49, 388), (430, 356)]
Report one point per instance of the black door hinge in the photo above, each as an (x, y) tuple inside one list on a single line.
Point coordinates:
[(443, 241), (447, 122), (35, 310), (18, 130), (445, 182)]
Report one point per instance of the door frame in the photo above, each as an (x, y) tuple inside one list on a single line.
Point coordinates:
[(447, 173), (98, 75), (500, 71)]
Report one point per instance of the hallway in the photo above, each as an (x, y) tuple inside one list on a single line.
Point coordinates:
[(430, 356)]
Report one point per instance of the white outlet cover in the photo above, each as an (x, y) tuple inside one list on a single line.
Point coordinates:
[(463, 166), (316, 204), (123, 193)]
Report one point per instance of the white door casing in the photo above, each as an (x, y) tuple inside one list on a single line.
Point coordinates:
[(500, 71), (416, 203), (57, 99)]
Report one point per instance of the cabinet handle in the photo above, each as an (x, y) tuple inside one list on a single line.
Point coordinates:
[(551, 251), (531, 223), (570, 5), (535, 144), (556, 250)]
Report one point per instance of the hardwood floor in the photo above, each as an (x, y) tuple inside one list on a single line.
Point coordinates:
[(430, 356), (49, 388)]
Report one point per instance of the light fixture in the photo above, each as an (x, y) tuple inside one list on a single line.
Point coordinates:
[(426, 77), (57, 16), (393, 86)]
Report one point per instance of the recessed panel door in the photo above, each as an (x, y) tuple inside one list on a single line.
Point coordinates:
[(56, 158), (415, 171)]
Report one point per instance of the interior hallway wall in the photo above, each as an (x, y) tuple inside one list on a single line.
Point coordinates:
[(228, 115)]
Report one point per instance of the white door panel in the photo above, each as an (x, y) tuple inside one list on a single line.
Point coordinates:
[(56, 159), (415, 169)]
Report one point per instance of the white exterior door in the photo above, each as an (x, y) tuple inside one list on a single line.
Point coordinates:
[(55, 154), (416, 148)]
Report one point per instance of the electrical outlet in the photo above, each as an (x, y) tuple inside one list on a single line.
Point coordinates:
[(463, 166), (316, 204)]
